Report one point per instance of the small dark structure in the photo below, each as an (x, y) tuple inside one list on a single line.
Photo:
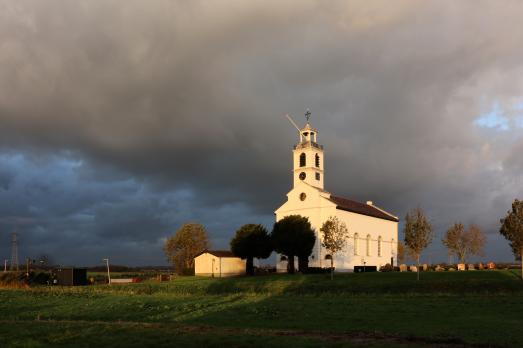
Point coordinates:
[(365, 269), (70, 276)]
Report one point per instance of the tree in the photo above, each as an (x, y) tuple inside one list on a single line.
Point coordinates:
[(249, 242), (402, 253), (334, 236), (477, 240), (456, 241), (463, 242), (512, 230), (418, 233), (181, 249), (293, 236)]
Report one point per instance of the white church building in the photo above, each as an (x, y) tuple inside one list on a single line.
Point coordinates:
[(373, 232)]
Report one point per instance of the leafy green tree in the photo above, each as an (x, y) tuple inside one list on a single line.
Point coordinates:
[(418, 233), (293, 236), (249, 242), (334, 236), (181, 248), (512, 230)]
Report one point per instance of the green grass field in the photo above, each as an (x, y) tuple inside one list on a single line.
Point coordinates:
[(451, 309)]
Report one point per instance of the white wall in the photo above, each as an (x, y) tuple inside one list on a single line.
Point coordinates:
[(318, 209), (223, 266)]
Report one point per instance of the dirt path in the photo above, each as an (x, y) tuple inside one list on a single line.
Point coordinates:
[(356, 337)]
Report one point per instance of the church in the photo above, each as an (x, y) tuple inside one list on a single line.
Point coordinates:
[(372, 231)]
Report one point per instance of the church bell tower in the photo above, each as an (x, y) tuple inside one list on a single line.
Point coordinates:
[(308, 157)]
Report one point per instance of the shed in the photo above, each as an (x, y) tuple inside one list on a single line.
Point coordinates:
[(218, 263), (69, 276)]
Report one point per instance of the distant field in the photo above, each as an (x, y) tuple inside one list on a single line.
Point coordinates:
[(447, 309)]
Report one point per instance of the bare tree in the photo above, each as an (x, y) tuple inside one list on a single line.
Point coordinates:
[(512, 230), (334, 236), (477, 240), (456, 241), (418, 233), (463, 242)]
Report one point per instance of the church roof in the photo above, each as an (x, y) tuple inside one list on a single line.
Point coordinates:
[(218, 253), (361, 208)]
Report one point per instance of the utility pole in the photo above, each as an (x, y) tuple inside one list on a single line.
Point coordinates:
[(14, 252), (5, 265), (108, 271)]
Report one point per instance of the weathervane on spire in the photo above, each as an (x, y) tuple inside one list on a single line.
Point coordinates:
[(308, 115)]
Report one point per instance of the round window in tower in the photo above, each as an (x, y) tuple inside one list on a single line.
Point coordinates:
[(302, 176), (303, 196)]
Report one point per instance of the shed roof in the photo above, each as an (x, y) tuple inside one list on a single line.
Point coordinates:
[(218, 253)]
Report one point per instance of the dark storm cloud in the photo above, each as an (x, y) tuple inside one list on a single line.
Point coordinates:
[(145, 115)]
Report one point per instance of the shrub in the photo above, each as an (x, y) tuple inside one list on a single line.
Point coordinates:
[(386, 268)]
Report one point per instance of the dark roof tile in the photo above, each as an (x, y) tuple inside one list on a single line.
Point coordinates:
[(360, 208)]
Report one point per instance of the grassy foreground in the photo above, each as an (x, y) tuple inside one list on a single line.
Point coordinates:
[(453, 309)]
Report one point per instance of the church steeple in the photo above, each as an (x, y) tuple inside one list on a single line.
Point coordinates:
[(308, 157)]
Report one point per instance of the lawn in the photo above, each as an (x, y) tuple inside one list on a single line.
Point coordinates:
[(450, 309)]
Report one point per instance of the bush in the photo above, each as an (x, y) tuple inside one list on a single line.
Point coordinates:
[(386, 268)]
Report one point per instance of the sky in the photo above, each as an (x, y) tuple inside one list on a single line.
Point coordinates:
[(122, 120)]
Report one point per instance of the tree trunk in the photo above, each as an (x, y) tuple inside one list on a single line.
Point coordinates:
[(250, 265), (332, 266), (290, 264), (417, 257), (303, 264)]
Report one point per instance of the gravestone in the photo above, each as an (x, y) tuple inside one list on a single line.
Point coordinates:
[(480, 266), (439, 268), (452, 269), (471, 267), (403, 267), (425, 267), (491, 265), (461, 266), (413, 268)]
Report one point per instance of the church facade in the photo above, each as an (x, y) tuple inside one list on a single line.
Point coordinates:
[(373, 232)]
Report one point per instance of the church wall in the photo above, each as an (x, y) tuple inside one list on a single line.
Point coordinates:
[(318, 209), (365, 225)]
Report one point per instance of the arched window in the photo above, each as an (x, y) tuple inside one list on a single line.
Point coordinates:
[(368, 245), (283, 258), (328, 257), (303, 160), (317, 162), (356, 237), (379, 246)]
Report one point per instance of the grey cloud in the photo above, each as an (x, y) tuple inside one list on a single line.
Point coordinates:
[(189, 97)]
